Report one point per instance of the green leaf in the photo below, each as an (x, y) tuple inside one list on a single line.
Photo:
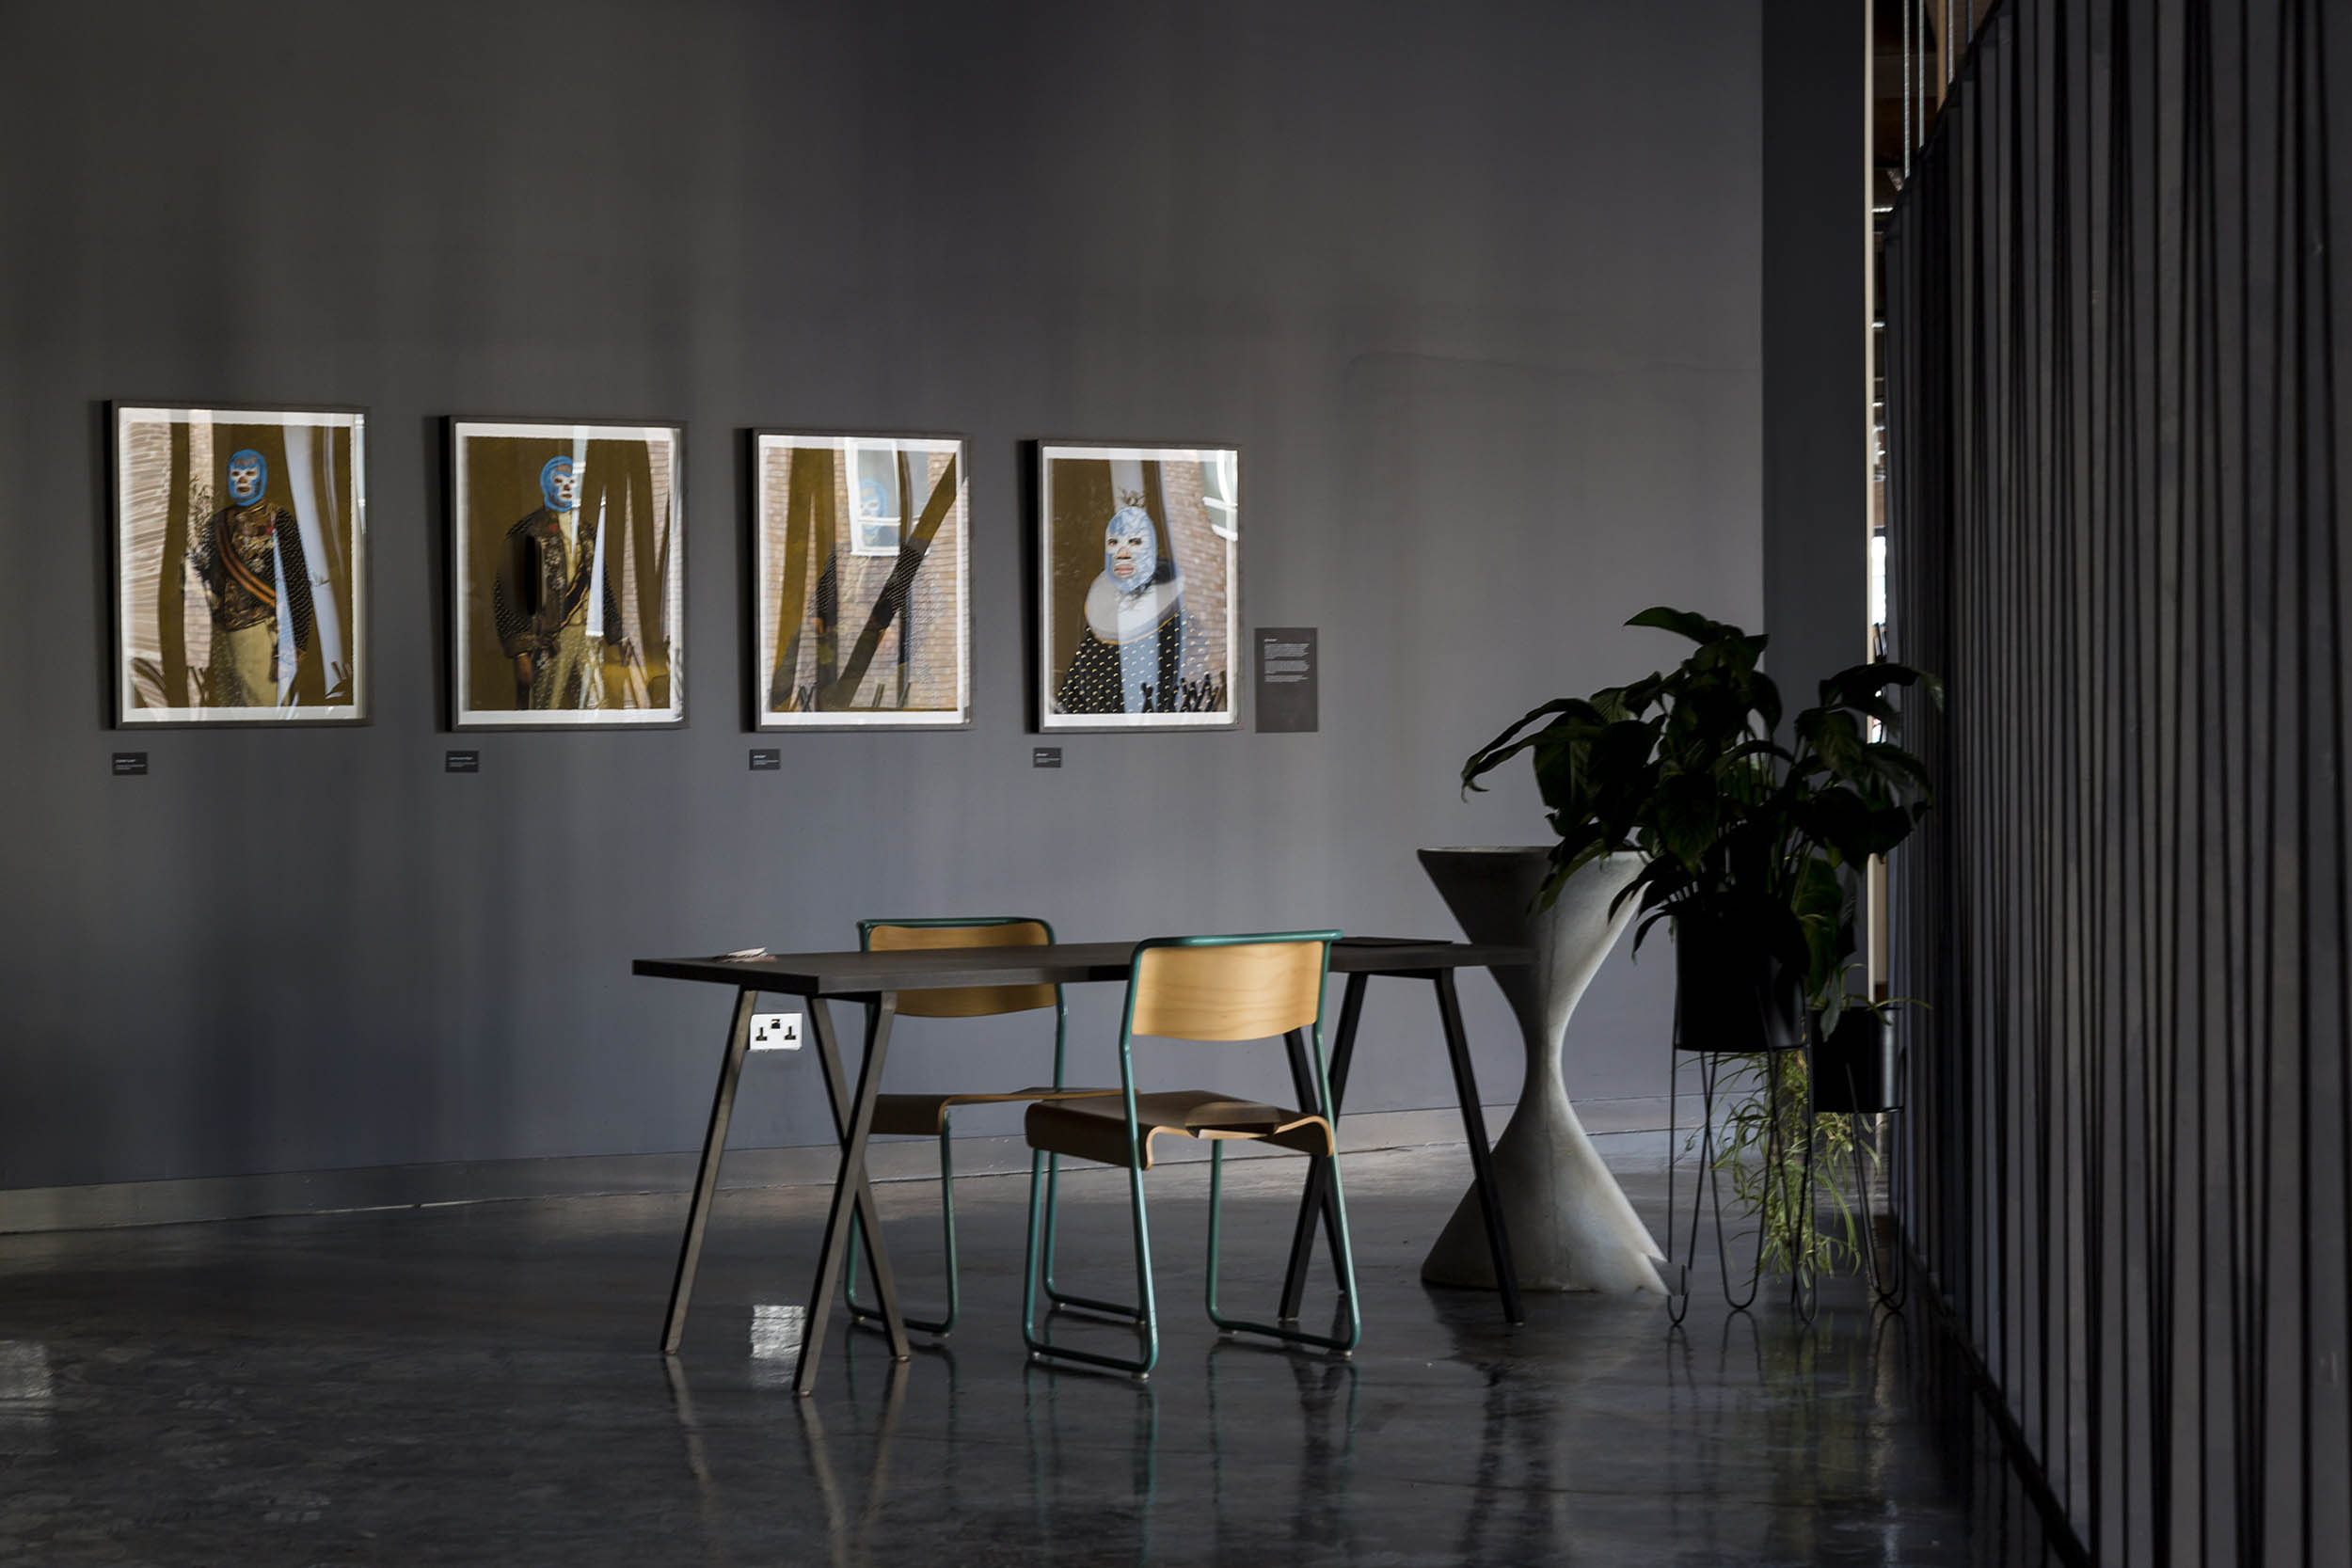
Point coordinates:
[(1684, 623), (1502, 748), (1761, 748), (1859, 682), (1897, 764), (1767, 702), (1685, 816)]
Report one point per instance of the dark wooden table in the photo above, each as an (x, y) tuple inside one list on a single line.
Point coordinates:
[(875, 979)]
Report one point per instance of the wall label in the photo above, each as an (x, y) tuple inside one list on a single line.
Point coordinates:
[(1289, 669), (1045, 756), (128, 763), (766, 759), (461, 762)]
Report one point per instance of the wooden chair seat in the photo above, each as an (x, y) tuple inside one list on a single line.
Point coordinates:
[(1095, 1128), (1214, 988), (925, 1115)]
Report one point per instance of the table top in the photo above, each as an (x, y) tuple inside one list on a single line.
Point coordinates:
[(854, 974)]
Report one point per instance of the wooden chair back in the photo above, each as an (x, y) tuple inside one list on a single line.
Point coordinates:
[(1229, 989), (881, 936)]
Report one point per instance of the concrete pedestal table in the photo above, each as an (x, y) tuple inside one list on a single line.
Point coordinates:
[(1570, 1225)]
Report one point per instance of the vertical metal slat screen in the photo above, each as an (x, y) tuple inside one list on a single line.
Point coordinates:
[(2116, 527)]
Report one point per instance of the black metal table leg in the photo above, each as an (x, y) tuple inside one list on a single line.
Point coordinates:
[(1481, 1158), (1316, 1200), (846, 1187), (868, 1217), (706, 1179)]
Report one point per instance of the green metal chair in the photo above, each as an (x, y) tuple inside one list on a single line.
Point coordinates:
[(1235, 987), (929, 1115)]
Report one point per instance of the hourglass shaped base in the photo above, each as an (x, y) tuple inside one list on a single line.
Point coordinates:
[(1570, 1225)]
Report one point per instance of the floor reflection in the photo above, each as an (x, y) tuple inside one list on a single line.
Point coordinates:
[(849, 1526), (497, 1363), (1071, 1487), (1322, 1485), (28, 1395), (777, 1331)]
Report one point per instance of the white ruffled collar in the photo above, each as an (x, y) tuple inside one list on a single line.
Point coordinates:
[(1116, 617)]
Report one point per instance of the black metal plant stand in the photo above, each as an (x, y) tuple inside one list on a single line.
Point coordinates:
[(1853, 1072), (1858, 1072), (1803, 1285), (1732, 1001), (1890, 1274)]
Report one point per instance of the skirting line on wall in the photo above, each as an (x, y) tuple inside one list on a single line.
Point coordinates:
[(326, 1192)]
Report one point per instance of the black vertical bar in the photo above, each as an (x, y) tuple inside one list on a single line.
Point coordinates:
[(902, 580), (2322, 960)]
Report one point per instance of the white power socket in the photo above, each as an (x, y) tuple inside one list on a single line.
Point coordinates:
[(775, 1031)]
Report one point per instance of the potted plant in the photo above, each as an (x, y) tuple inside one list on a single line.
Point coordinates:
[(1749, 844)]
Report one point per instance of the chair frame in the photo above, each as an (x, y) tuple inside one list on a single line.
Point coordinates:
[(1044, 1168), (942, 1327)]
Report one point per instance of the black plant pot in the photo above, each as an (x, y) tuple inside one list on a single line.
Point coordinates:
[(1732, 996), (1854, 1067)]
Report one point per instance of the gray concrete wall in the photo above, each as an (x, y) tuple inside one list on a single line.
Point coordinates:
[(1476, 290)]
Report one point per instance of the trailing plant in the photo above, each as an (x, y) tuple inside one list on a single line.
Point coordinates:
[(1759, 1150), (1746, 838)]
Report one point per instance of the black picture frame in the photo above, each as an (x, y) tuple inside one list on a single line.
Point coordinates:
[(1047, 674), (463, 536), (759, 647), (128, 714)]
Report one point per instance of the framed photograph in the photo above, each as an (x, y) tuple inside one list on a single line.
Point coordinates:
[(240, 565), (861, 605), (1140, 589), (567, 568)]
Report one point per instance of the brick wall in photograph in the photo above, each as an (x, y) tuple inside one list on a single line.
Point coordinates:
[(1202, 554), (933, 605)]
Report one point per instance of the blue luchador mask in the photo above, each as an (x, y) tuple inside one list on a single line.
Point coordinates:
[(248, 477), (559, 483), (1131, 550)]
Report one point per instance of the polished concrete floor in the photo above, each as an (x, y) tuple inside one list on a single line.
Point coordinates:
[(478, 1385)]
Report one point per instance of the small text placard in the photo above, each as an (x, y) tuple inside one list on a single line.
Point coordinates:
[(1289, 666)]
